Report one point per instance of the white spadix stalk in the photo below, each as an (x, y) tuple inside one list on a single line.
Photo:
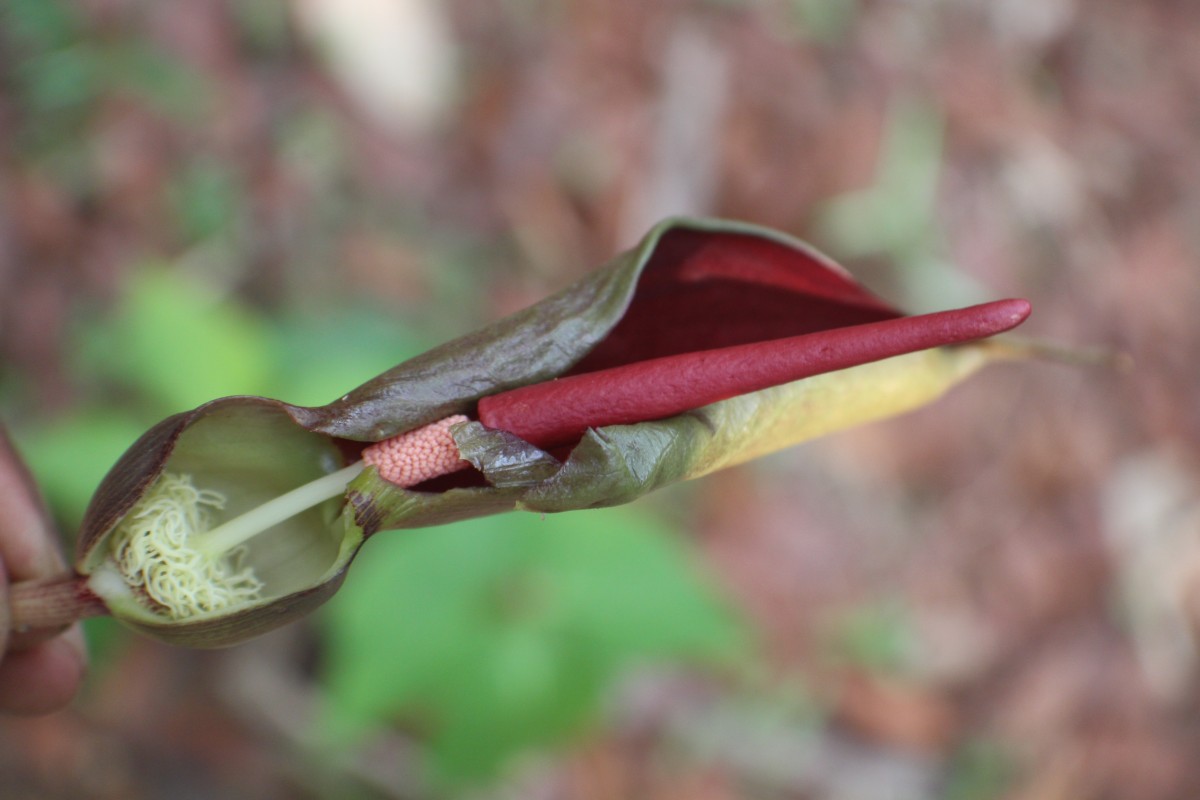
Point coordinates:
[(239, 530)]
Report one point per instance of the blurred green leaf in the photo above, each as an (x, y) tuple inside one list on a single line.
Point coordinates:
[(979, 771), (65, 78), (54, 77), (39, 24), (895, 215), (106, 640), (323, 353), (69, 457), (264, 25), (877, 636), (170, 85), (630, 589), (177, 341), (207, 200), (825, 20), (503, 633)]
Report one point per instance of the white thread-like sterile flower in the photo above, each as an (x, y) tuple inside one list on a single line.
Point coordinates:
[(153, 552)]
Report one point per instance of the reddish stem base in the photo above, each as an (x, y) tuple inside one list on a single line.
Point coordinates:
[(51, 604)]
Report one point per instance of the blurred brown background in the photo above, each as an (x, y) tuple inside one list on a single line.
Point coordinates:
[(995, 597)]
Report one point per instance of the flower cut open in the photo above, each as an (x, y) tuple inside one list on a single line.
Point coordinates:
[(154, 553), (168, 552), (708, 344)]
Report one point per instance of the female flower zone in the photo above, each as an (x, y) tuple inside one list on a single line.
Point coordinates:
[(708, 344)]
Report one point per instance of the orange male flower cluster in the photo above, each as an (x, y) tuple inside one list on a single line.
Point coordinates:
[(418, 455)]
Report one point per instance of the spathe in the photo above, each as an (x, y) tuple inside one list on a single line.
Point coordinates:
[(747, 302)]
